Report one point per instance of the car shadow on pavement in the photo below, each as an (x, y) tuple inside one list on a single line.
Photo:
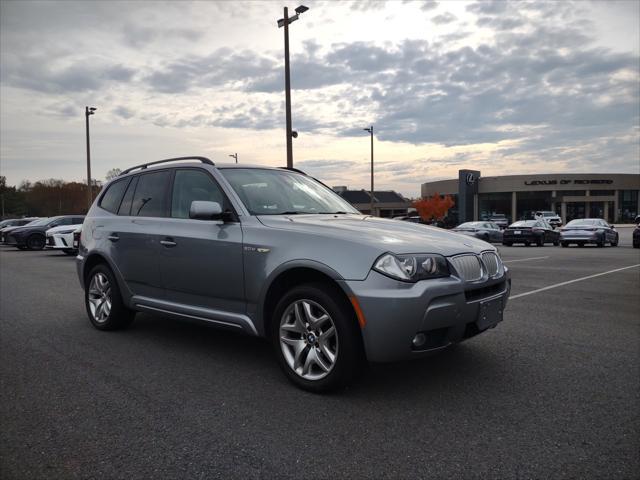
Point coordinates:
[(252, 357)]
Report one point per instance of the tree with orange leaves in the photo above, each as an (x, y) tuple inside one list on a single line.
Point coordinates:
[(434, 207)]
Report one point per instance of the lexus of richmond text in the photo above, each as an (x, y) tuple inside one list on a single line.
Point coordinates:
[(274, 253)]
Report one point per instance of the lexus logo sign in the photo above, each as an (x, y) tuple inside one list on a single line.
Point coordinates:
[(471, 179)]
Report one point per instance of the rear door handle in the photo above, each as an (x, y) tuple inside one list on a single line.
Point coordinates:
[(168, 242), (114, 237)]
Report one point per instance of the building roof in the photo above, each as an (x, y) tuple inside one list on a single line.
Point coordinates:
[(355, 196), (388, 196), (363, 196)]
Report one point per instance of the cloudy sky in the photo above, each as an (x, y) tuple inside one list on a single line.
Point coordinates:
[(505, 88)]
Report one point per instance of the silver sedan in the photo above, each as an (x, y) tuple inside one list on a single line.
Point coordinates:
[(487, 231)]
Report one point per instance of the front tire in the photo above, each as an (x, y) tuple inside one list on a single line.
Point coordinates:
[(565, 244), (69, 251), (103, 301), (35, 242), (316, 338), (615, 242)]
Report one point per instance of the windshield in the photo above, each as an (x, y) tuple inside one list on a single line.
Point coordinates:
[(40, 221), (277, 192), (577, 223)]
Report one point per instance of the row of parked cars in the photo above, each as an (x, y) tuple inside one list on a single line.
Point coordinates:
[(56, 233), (539, 232)]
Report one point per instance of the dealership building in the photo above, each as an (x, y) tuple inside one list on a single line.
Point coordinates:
[(614, 197)]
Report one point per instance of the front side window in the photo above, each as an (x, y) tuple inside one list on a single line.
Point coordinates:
[(277, 192), (112, 197), (190, 185), (151, 195)]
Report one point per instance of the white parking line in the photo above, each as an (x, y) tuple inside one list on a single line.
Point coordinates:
[(512, 297), (523, 259)]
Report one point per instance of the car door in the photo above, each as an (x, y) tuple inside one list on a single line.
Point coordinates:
[(132, 232), (202, 260)]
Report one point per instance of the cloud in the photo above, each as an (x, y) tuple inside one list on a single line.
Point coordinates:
[(444, 18), (123, 112)]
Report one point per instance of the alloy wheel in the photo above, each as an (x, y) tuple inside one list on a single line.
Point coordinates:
[(100, 297), (308, 339)]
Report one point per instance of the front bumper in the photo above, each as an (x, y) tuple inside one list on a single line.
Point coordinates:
[(14, 240), (446, 310), (59, 242)]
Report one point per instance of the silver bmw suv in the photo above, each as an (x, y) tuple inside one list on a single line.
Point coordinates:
[(274, 253)]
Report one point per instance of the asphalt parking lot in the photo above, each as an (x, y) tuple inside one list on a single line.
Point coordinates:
[(552, 392)]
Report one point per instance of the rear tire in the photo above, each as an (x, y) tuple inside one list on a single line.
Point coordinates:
[(69, 251), (565, 244), (103, 300), (316, 338), (615, 242), (507, 244), (540, 242), (556, 243), (601, 243), (36, 242)]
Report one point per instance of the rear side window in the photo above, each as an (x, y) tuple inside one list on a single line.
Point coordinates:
[(151, 195), (111, 198), (125, 206), (190, 185)]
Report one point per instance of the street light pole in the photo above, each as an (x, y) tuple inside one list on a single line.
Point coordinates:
[(287, 88), (88, 111), (370, 130), (234, 155), (284, 22)]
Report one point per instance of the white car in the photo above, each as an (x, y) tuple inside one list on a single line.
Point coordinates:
[(61, 238), (552, 218)]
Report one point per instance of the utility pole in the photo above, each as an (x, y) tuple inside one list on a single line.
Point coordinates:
[(89, 111), (284, 22), (370, 130)]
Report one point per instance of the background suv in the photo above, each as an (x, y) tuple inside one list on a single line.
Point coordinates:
[(274, 253)]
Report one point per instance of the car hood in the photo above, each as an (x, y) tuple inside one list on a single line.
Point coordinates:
[(63, 228), (384, 234)]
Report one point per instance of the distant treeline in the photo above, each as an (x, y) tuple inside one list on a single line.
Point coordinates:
[(44, 198)]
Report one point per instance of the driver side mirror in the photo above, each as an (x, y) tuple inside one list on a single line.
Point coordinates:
[(204, 210)]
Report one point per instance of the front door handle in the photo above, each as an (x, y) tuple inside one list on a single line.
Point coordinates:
[(168, 242), (114, 237)]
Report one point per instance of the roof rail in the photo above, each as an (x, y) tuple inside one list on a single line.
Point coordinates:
[(145, 165), (294, 170)]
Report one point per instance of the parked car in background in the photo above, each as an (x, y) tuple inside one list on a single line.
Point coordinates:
[(274, 253), (487, 231), (636, 234), (61, 238), (528, 232), (588, 230), (15, 222), (33, 236), (4, 231), (499, 219), (409, 218), (552, 218)]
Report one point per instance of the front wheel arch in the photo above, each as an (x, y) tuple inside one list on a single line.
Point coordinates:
[(292, 277)]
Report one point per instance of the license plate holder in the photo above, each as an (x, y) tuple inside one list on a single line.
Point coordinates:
[(490, 313)]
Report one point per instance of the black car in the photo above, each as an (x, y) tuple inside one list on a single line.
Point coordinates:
[(9, 225), (529, 232), (32, 236)]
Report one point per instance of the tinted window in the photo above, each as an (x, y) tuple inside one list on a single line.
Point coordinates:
[(77, 220), (150, 198), (190, 185), (276, 192), (112, 197), (125, 206)]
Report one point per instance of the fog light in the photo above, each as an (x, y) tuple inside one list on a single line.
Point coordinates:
[(419, 340)]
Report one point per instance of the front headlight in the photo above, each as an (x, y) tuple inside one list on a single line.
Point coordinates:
[(65, 232), (412, 267)]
